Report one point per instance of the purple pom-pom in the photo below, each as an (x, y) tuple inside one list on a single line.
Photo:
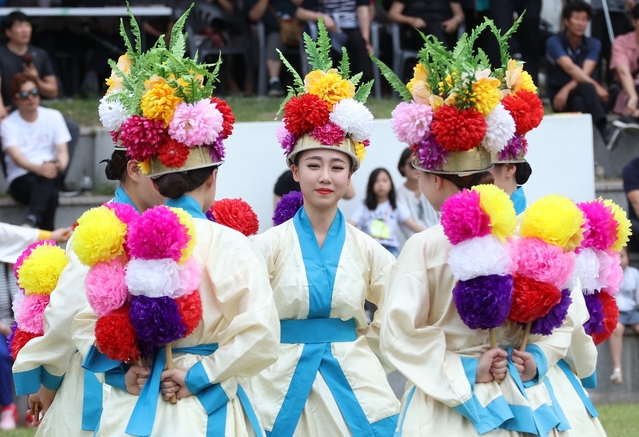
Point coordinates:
[(595, 308), (431, 154), (14, 327), (209, 215), (147, 350), (516, 147), (484, 302), (287, 207), (156, 319), (555, 318)]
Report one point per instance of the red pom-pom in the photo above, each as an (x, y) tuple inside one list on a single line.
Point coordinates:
[(236, 214), (20, 338), (228, 117), (526, 109), (611, 317), (458, 131), (173, 153), (190, 309), (141, 137), (532, 299), (304, 113), (116, 337)]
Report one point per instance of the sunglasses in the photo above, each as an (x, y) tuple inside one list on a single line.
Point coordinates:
[(24, 95)]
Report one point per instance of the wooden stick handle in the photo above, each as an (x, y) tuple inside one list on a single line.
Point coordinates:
[(36, 411), (169, 366), (524, 342), (493, 345)]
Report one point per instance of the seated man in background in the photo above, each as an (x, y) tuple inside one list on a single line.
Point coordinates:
[(573, 75), (34, 140), (631, 188), (625, 64)]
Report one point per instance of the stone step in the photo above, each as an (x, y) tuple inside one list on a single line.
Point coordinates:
[(69, 209)]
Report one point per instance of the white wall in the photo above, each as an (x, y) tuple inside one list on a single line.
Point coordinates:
[(560, 153)]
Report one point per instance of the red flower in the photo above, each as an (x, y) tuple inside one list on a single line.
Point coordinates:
[(228, 117), (304, 113), (116, 337), (236, 214), (141, 137), (173, 153), (611, 316), (532, 299), (20, 338), (190, 309), (526, 109), (458, 131)]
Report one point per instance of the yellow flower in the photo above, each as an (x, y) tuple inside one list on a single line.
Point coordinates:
[(115, 83), (313, 77), (40, 271), (435, 102), (623, 226), (526, 83), (554, 219), (159, 103), (420, 72), (330, 87), (518, 79), (145, 166), (153, 80), (124, 64), (360, 151), (420, 90), (187, 222), (486, 94), (99, 236), (497, 204)]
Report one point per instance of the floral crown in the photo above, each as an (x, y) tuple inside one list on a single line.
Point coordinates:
[(325, 110), (159, 106), (457, 110)]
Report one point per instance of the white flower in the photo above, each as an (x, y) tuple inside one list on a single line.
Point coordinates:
[(16, 306), (479, 256), (500, 128), (152, 277), (354, 118), (112, 113), (587, 270)]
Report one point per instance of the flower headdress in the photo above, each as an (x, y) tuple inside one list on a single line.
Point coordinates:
[(457, 110), (159, 106), (598, 265), (37, 271), (325, 110)]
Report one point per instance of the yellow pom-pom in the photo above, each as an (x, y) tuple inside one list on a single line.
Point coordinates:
[(554, 219), (331, 88), (40, 271), (360, 151), (527, 82), (99, 236), (497, 204), (486, 94), (159, 103), (187, 221), (623, 225)]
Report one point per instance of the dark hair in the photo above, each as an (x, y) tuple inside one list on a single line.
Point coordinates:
[(576, 6), (469, 181), (407, 153), (174, 185), (13, 18), (115, 169), (523, 172), (371, 199), (635, 12), (17, 81)]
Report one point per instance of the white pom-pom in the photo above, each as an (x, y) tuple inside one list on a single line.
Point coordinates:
[(354, 118), (500, 128), (16, 306), (112, 113), (479, 256), (153, 277), (587, 270)]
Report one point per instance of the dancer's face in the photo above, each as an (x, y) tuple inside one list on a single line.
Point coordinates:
[(323, 175)]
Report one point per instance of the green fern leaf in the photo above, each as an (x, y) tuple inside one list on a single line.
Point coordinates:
[(363, 91), (135, 30), (297, 80), (178, 40), (289, 96), (355, 79), (344, 66), (125, 37), (324, 46), (393, 79), (312, 52)]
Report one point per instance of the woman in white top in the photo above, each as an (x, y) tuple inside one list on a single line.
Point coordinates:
[(380, 214)]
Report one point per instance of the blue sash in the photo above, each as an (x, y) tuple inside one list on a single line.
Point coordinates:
[(188, 204), (91, 402), (578, 388)]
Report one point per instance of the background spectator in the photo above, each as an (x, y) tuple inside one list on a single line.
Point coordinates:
[(628, 303), (625, 64), (618, 10), (269, 12), (349, 23), (34, 140), (631, 187), (573, 77), (528, 35)]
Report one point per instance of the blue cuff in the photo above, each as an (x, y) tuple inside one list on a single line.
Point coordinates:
[(97, 362), (29, 382), (591, 381), (196, 378), (115, 378), (542, 364), (469, 409)]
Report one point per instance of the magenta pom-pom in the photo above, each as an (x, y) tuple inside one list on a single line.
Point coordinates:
[(157, 234), (123, 211), (601, 226), (463, 218)]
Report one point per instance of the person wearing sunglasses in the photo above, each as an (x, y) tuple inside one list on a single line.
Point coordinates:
[(34, 140)]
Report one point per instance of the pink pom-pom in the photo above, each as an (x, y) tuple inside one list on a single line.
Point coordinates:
[(601, 226), (328, 134), (141, 137), (157, 234), (105, 287), (31, 316), (196, 124), (285, 138), (411, 122), (543, 262), (123, 211), (27, 252), (463, 218), (615, 275), (189, 274)]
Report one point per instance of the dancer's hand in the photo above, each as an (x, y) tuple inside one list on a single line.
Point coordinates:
[(485, 364), (525, 365), (173, 382), (44, 397), (135, 378), (499, 367)]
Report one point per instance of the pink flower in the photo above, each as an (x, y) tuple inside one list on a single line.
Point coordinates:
[(105, 287), (328, 134), (615, 275), (218, 152), (601, 231), (463, 218), (123, 211), (141, 137), (157, 234), (543, 262), (285, 138), (30, 317), (411, 122), (190, 275), (196, 124)]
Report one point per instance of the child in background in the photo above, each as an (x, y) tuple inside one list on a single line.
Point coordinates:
[(380, 214), (628, 302)]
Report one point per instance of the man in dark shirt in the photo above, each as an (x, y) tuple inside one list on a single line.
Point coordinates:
[(631, 187), (572, 71)]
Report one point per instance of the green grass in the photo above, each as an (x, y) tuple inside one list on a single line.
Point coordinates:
[(619, 420)]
